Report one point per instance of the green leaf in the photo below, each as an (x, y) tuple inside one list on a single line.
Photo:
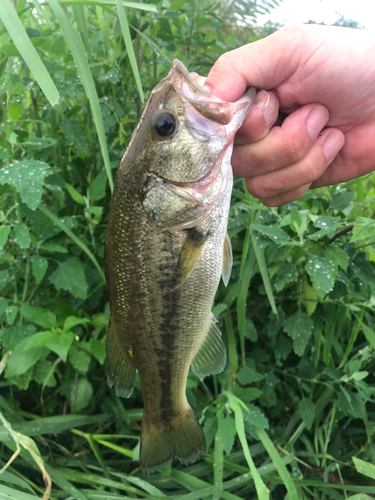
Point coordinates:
[(27, 176), (247, 375), (369, 334), (255, 417), (96, 189), (4, 154), (80, 360), (337, 255), (4, 233), (74, 132), (72, 321), (22, 359), (70, 276), (275, 233), (57, 341), (365, 468), (341, 200), (38, 143), (227, 430), (307, 411), (363, 228), (78, 198), (38, 315), (287, 273), (81, 394), (11, 314), (322, 274), (39, 266), (97, 348), (309, 298), (3, 305), (299, 327), (27, 50), (210, 428), (13, 335), (20, 236)]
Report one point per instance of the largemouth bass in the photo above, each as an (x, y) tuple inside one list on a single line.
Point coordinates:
[(166, 248)]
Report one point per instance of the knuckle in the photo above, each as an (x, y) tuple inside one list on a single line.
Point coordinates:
[(295, 148), (258, 189)]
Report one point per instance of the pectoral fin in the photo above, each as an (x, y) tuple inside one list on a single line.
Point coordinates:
[(189, 254), (227, 260), (120, 373), (211, 357)]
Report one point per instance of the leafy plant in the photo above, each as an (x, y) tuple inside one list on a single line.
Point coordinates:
[(293, 412)]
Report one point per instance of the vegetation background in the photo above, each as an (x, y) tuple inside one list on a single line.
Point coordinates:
[(293, 414)]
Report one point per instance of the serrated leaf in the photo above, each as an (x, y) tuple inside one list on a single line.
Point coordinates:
[(307, 411), (247, 375), (20, 236), (322, 274), (4, 233), (39, 266), (287, 273), (363, 228), (81, 394), (79, 359), (27, 177), (227, 430), (22, 359), (255, 417), (74, 132), (37, 143), (275, 233), (70, 276), (299, 327), (210, 428), (38, 315), (13, 335), (309, 298), (337, 255)]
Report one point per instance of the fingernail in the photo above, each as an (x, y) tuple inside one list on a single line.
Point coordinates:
[(316, 121), (262, 100), (332, 145)]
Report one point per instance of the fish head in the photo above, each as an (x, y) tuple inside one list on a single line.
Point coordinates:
[(184, 136)]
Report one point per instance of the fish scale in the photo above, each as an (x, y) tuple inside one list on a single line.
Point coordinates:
[(164, 256)]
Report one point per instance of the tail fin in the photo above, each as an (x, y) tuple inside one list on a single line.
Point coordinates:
[(182, 438)]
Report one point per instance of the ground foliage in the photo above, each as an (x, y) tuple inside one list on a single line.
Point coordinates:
[(294, 409)]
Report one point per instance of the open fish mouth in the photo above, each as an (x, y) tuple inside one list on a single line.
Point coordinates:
[(207, 116)]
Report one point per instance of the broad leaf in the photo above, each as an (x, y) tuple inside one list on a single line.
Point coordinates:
[(27, 176), (322, 274), (307, 411), (299, 327), (70, 276), (39, 266), (38, 315)]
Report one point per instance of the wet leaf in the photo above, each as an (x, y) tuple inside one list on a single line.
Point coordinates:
[(275, 233), (27, 177), (70, 276), (322, 274), (299, 327), (20, 236), (39, 266)]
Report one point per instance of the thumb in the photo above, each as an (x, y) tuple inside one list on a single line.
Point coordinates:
[(263, 64)]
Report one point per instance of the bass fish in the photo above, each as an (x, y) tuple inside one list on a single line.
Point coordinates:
[(166, 248)]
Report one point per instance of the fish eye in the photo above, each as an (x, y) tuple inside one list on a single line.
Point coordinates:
[(165, 124)]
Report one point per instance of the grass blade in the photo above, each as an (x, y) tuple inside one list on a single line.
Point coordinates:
[(27, 50), (279, 464), (129, 46), (262, 490), (261, 260), (134, 5), (218, 467), (247, 270), (11, 494), (76, 47), (75, 238)]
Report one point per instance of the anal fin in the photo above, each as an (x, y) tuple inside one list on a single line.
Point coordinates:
[(211, 357), (227, 260), (120, 373)]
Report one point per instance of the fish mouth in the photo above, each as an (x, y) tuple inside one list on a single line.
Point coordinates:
[(207, 116)]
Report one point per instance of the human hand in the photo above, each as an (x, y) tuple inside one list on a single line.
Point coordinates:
[(323, 78)]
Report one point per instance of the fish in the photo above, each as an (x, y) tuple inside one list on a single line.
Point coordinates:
[(166, 248)]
